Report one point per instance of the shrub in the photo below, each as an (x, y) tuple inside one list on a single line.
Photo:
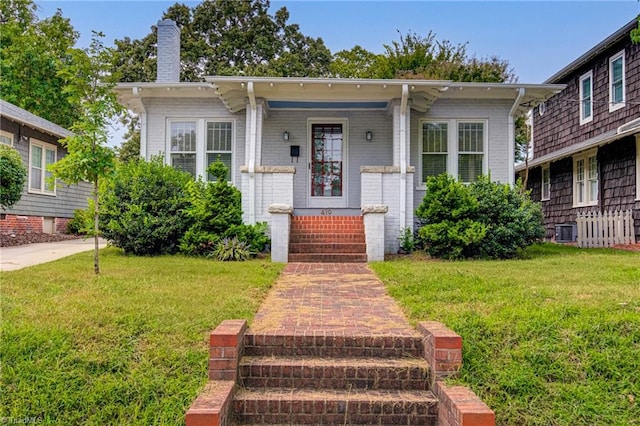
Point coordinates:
[(255, 236), (485, 219), (14, 175), (82, 221), (214, 208), (231, 249), (144, 207), (407, 242)]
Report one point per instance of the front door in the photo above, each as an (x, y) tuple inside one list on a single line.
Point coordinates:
[(328, 165)]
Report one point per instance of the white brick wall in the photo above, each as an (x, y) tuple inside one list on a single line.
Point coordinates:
[(168, 52)]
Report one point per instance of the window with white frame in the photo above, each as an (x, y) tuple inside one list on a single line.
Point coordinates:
[(456, 147), (546, 183), (585, 179), (183, 146), (616, 82), (220, 145), (435, 141), (470, 151), (586, 98), (41, 155), (6, 138)]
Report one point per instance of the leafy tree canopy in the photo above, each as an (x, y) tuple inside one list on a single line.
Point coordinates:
[(32, 51), (220, 37)]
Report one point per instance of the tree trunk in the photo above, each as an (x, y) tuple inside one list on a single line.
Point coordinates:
[(96, 233)]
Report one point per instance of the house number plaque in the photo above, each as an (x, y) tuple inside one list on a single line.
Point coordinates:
[(326, 212)]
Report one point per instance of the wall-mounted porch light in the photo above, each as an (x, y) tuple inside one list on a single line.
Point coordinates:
[(369, 135), (285, 135)]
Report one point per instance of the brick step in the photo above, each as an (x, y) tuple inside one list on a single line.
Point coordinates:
[(328, 257), (333, 247), (334, 373), (326, 238), (330, 345), (334, 229), (355, 406)]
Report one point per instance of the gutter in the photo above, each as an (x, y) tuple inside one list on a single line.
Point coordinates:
[(511, 135)]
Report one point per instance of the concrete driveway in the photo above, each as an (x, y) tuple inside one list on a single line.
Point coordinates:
[(18, 257)]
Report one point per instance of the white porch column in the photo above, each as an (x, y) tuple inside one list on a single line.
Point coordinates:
[(280, 227)]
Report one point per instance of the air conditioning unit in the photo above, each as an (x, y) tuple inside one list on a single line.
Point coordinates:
[(566, 233)]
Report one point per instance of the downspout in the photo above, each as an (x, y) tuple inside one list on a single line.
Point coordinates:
[(511, 159), (252, 153), (403, 156)]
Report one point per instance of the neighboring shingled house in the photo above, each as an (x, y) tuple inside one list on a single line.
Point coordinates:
[(43, 207), (586, 139)]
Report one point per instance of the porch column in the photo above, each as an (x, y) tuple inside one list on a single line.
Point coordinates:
[(253, 154)]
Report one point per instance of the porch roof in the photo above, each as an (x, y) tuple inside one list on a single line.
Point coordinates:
[(333, 93)]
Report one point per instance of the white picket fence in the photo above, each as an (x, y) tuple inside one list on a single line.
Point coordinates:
[(606, 229)]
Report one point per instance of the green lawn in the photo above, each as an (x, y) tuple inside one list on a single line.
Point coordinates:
[(127, 347), (550, 339)]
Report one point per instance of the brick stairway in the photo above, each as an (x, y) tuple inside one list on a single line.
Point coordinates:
[(329, 346), (337, 239)]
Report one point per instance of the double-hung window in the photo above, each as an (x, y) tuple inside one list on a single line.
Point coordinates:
[(546, 183), (616, 82), (41, 155), (585, 180), (6, 138), (435, 141), (220, 145), (183, 146), (470, 151), (455, 147), (586, 98)]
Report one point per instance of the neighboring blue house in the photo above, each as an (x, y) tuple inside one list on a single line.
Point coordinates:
[(43, 207)]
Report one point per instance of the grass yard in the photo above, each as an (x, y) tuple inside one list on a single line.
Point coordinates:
[(128, 347), (549, 339)]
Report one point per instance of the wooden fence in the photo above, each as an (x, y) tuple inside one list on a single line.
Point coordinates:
[(606, 229)]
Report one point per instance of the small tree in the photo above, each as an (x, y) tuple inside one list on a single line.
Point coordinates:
[(88, 158), (13, 175)]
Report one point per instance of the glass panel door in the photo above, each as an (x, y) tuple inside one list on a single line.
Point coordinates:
[(327, 160)]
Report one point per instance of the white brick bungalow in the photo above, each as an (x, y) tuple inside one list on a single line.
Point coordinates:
[(329, 146)]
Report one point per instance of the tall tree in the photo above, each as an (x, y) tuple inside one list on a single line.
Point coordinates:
[(635, 33), (32, 51), (91, 88), (355, 63)]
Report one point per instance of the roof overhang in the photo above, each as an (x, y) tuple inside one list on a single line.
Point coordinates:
[(628, 129), (25, 118), (332, 93)]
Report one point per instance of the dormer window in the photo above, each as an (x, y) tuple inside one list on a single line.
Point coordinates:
[(616, 82), (586, 98)]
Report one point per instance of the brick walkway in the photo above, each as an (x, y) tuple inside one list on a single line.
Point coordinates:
[(342, 299)]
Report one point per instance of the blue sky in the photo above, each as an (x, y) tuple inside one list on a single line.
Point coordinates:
[(537, 38)]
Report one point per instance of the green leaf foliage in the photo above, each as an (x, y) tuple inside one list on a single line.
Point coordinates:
[(231, 249), (13, 175), (32, 52), (482, 220), (635, 33), (144, 207)]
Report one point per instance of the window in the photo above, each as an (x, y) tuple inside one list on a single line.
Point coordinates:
[(219, 145), (41, 155), (616, 82), (470, 151), (183, 146), (6, 138), (434, 149), (585, 180), (586, 98), (459, 153), (546, 183)]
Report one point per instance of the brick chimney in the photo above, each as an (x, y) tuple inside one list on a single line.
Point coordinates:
[(168, 52)]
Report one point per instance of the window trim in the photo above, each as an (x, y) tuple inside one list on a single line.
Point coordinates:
[(583, 77), (452, 145), (616, 106), (9, 135), (45, 146), (585, 156), (421, 147), (201, 142), (547, 196)]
